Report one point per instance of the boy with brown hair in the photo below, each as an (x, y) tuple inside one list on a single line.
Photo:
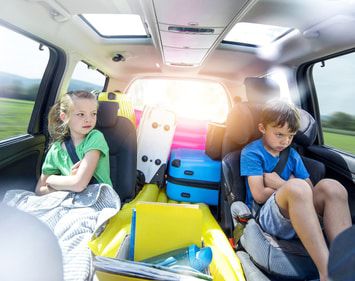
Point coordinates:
[(290, 202)]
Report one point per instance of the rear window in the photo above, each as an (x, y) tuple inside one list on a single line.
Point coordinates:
[(194, 99)]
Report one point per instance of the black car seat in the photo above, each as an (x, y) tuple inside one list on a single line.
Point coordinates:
[(121, 138), (241, 128), (285, 259)]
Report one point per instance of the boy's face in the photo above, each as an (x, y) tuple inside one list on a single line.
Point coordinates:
[(276, 139)]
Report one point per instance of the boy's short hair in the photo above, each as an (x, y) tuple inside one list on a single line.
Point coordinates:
[(278, 112)]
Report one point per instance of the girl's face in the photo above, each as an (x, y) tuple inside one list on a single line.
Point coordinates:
[(276, 139), (82, 118)]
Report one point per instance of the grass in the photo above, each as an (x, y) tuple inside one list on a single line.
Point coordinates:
[(14, 117), (340, 141)]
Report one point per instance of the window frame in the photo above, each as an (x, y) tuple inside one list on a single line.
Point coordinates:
[(309, 98), (48, 86)]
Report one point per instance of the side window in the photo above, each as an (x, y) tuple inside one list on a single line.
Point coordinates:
[(22, 65), (334, 82), (86, 78)]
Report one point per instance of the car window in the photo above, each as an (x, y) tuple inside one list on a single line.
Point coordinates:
[(22, 64), (195, 99), (87, 79), (334, 83)]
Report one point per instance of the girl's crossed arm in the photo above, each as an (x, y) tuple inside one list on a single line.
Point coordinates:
[(80, 177)]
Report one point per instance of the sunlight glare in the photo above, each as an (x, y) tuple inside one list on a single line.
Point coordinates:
[(116, 24)]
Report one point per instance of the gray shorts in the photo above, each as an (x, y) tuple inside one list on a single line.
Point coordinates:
[(273, 222)]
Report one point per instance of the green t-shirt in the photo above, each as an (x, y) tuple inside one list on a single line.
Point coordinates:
[(58, 161)]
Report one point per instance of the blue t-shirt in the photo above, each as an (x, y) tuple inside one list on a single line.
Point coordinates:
[(255, 160)]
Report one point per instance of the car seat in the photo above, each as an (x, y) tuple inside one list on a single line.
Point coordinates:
[(241, 128), (124, 103), (285, 259), (121, 137)]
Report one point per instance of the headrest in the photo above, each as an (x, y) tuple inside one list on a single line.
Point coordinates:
[(242, 124), (260, 90), (107, 114), (243, 120), (307, 132)]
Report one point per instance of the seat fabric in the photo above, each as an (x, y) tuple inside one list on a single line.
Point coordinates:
[(121, 138)]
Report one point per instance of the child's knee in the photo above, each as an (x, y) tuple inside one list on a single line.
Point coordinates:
[(333, 189), (298, 189)]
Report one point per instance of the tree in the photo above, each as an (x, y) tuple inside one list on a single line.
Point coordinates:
[(342, 120)]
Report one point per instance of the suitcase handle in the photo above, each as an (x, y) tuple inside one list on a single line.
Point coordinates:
[(185, 195), (176, 163), (188, 172)]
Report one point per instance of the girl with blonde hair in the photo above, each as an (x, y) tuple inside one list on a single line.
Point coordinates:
[(74, 116)]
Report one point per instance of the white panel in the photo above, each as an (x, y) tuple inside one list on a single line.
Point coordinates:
[(182, 40), (184, 56), (213, 13), (155, 136)]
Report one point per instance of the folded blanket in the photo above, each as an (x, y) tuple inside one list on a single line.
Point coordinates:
[(73, 217)]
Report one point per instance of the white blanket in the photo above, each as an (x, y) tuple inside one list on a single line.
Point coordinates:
[(73, 217)]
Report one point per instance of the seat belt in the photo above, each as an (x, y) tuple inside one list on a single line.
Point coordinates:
[(282, 161), (69, 145), (280, 166)]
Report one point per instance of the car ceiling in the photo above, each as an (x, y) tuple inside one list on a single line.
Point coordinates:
[(320, 27)]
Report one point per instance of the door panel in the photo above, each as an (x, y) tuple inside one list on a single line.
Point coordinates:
[(20, 162), (339, 166)]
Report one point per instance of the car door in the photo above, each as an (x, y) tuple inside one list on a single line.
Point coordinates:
[(330, 96), (27, 85)]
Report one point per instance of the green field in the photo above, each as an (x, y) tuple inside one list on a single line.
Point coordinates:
[(14, 117), (340, 141)]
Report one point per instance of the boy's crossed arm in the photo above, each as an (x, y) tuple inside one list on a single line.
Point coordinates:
[(259, 189), (262, 187)]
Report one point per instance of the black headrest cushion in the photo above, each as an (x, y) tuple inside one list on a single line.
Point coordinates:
[(307, 132), (106, 114), (261, 90)]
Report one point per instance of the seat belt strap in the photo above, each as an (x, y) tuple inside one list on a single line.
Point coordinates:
[(69, 145), (280, 166)]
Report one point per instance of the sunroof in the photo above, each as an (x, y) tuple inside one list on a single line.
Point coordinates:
[(115, 25), (255, 34)]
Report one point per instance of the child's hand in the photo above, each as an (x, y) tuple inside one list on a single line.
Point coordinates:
[(44, 189), (74, 168), (273, 180)]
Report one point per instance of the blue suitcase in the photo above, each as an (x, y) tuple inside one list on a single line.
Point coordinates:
[(193, 177)]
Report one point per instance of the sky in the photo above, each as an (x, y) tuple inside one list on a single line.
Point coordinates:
[(335, 85)]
